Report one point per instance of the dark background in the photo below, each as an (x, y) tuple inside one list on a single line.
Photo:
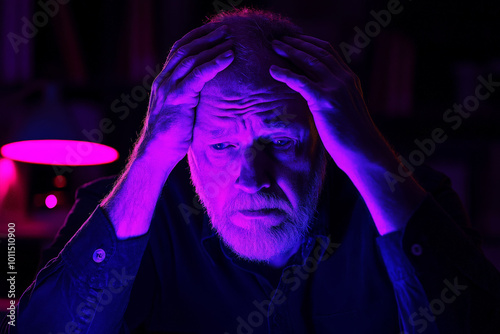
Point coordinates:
[(97, 52)]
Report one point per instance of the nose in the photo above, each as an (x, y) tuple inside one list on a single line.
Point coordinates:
[(254, 174)]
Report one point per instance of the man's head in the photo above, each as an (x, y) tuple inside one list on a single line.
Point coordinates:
[(256, 160)]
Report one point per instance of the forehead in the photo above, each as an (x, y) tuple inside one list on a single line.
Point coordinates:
[(274, 106)]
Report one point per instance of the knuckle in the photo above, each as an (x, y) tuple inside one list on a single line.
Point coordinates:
[(173, 49), (306, 85), (157, 82), (176, 46), (182, 51), (197, 72), (324, 54), (155, 85), (187, 63), (312, 61)]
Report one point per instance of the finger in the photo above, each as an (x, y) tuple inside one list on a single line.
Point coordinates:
[(325, 46), (299, 83), (196, 46), (324, 55), (192, 35), (205, 72), (342, 72), (189, 63), (312, 66), (211, 34)]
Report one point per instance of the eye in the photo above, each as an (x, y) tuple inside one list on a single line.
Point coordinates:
[(221, 146), (282, 143)]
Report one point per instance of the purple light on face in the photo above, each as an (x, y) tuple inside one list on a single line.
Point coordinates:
[(267, 217), (60, 152), (51, 201)]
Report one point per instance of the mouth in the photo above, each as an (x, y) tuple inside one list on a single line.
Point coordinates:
[(266, 217), (252, 213)]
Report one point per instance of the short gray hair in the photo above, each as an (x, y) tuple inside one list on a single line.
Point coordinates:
[(253, 30)]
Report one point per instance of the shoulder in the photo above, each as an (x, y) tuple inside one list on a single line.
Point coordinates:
[(97, 188), (440, 188), (431, 180)]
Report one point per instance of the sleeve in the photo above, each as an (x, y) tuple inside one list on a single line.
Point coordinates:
[(442, 281), (86, 287)]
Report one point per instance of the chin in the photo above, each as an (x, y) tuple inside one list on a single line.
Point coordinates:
[(259, 242)]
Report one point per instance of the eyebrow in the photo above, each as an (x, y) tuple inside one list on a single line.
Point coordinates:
[(218, 133), (271, 124)]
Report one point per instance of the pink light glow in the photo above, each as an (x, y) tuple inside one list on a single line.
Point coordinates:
[(60, 152), (8, 176), (51, 201), (59, 181), (7, 170)]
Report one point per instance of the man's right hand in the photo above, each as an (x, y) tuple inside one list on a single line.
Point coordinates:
[(168, 130), (194, 60)]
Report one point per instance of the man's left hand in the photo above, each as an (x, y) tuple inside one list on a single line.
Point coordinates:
[(333, 93), (335, 99)]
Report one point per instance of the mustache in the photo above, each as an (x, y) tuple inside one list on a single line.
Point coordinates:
[(261, 201)]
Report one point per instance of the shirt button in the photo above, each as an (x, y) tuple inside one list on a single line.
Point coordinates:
[(416, 249), (99, 255)]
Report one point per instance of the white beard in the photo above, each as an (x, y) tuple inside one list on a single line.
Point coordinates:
[(259, 242)]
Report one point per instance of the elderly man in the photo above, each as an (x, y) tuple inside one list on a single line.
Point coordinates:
[(303, 231)]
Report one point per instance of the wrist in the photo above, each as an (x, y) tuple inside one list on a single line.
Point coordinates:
[(390, 207), (369, 155), (156, 157), (131, 203)]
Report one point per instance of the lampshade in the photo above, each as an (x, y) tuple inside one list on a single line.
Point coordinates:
[(53, 134)]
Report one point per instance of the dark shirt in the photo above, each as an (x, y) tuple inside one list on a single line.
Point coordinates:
[(346, 278)]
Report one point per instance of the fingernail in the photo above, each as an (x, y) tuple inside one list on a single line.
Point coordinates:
[(227, 54), (278, 44), (222, 29)]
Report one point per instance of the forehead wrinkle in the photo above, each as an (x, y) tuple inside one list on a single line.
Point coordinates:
[(267, 123), (220, 92), (274, 109), (245, 105)]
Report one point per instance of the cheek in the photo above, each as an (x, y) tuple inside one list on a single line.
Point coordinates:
[(216, 179), (293, 183), (210, 158), (294, 175)]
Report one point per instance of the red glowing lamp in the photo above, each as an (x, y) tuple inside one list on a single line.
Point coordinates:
[(59, 152), (52, 135)]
